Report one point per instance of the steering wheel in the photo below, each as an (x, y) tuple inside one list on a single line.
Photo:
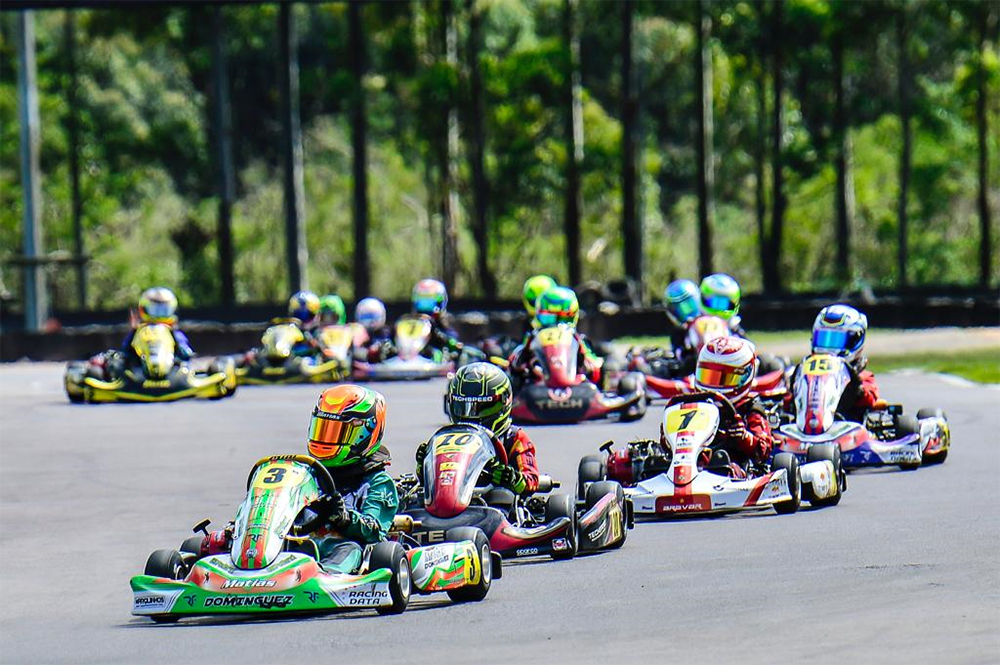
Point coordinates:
[(728, 411)]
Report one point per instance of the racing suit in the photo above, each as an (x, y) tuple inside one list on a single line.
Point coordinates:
[(182, 347), (519, 475), (859, 397), (377, 346), (746, 438), (520, 362), (443, 336), (371, 499)]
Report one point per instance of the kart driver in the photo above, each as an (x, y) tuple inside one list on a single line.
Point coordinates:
[(720, 296), (727, 366), (480, 394), (683, 303), (840, 330), (376, 343), (304, 307), (557, 306), (332, 311), (430, 298), (345, 435), (534, 287)]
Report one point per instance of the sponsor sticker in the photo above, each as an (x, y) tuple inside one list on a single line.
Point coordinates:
[(560, 544), (526, 551), (261, 602), (147, 601), (683, 504), (247, 584)]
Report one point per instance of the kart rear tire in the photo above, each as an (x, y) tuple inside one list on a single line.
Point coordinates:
[(166, 563), (831, 452), (908, 425), (631, 383), (592, 469), (563, 505), (790, 463), (390, 554), (192, 545), (474, 592), (596, 491)]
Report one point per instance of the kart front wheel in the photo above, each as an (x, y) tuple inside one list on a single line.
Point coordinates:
[(563, 505), (166, 563), (790, 464), (933, 458), (598, 491), (592, 469), (904, 426), (831, 453), (473, 592), (390, 554)]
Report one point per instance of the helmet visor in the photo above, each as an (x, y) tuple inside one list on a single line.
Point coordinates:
[(425, 304), (835, 341), (684, 310), (719, 303), (546, 319), (159, 310), (721, 376), (332, 432)]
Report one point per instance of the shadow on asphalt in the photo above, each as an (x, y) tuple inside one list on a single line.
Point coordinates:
[(418, 605)]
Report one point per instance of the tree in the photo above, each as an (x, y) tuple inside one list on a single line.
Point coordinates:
[(573, 124), (631, 224), (477, 152), (705, 138), (359, 148)]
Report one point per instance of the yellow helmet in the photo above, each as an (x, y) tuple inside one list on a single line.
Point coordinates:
[(534, 287)]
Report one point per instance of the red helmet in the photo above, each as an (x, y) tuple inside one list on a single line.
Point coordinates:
[(728, 366)]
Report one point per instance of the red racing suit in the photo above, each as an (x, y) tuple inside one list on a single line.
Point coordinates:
[(588, 361), (747, 438), (521, 456)]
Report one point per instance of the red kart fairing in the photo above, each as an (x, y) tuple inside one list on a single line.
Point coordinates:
[(561, 394), (457, 456)]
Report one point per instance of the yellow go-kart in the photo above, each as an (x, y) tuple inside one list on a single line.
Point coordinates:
[(276, 361), (158, 376)]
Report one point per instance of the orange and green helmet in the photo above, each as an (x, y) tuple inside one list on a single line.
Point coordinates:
[(347, 425), (558, 305)]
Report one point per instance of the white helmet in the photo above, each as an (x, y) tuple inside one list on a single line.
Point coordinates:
[(370, 313), (728, 366), (840, 330)]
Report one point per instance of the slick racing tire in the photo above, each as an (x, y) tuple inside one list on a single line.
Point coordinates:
[(390, 554), (563, 505), (831, 452), (168, 564), (935, 458), (631, 383), (904, 426), (789, 463), (473, 592), (597, 491), (592, 469)]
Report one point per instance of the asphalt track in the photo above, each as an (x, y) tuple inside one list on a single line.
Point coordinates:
[(906, 569)]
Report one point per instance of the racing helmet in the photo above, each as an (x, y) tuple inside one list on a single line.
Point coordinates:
[(370, 313), (158, 305), (304, 306), (720, 296), (558, 305), (535, 286), (683, 301), (480, 394), (331, 310), (429, 297), (840, 330), (347, 425), (727, 366)]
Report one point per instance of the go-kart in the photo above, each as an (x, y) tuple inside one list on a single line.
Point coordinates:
[(266, 562), (449, 494), (274, 362), (686, 476), (885, 438), (411, 357), (666, 376), (158, 377), (555, 392)]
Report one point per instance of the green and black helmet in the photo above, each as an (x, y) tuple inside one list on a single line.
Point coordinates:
[(480, 394)]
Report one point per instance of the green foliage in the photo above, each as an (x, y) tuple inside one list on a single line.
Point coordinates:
[(148, 176)]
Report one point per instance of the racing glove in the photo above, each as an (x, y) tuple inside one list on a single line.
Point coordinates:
[(507, 476), (333, 506), (421, 455)]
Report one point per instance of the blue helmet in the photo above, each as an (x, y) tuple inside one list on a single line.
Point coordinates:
[(840, 330), (683, 301)]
